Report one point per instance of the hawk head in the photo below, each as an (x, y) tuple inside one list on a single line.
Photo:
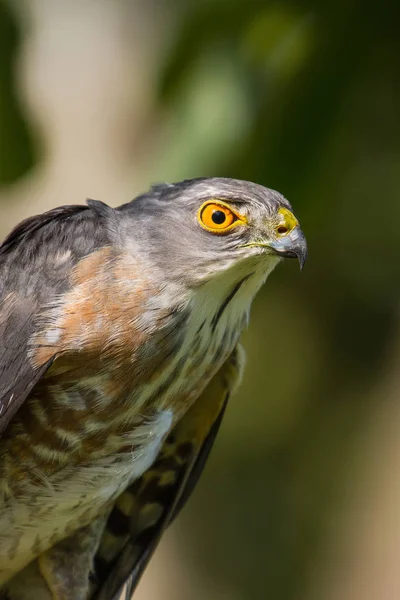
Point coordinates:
[(200, 229)]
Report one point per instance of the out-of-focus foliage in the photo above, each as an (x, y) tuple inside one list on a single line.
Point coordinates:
[(16, 150), (303, 98)]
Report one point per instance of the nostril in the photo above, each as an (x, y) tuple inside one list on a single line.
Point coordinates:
[(282, 229)]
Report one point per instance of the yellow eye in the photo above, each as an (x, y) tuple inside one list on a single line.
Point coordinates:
[(218, 217)]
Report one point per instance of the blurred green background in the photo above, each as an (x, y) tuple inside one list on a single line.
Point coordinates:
[(101, 99)]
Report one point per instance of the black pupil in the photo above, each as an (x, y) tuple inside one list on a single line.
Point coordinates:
[(218, 217)]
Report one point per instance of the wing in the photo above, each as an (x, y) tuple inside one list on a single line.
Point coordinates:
[(151, 503), (36, 262)]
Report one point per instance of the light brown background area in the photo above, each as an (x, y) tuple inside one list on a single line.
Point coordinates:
[(301, 497)]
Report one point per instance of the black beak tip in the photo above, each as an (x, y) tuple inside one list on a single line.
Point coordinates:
[(300, 254), (302, 257)]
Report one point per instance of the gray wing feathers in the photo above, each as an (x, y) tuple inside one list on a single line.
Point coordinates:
[(17, 376), (36, 261)]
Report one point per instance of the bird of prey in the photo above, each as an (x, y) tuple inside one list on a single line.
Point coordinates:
[(119, 348)]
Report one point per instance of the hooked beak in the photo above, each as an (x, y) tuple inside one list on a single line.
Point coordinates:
[(292, 245)]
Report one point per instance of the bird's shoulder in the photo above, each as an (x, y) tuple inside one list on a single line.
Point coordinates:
[(38, 254), (65, 286)]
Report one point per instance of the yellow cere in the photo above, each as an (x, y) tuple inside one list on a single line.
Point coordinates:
[(287, 221)]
